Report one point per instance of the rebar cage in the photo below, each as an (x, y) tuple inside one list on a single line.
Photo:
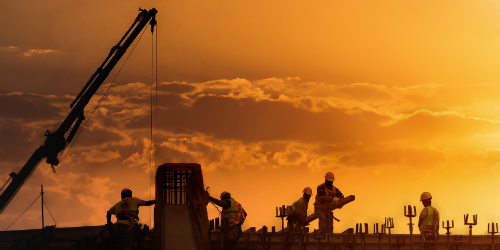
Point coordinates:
[(173, 184)]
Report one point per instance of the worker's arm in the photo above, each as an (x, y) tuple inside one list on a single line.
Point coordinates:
[(215, 201), (423, 214), (149, 203), (108, 215), (338, 194), (140, 202)]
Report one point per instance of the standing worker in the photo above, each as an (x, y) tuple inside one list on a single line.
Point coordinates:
[(299, 211), (127, 214), (325, 203), (233, 215), (428, 222)]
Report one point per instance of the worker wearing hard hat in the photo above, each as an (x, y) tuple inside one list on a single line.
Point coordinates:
[(298, 213), (428, 222), (127, 214), (233, 215), (327, 197)]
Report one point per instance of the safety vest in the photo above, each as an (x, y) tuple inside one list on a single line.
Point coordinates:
[(125, 206), (331, 194), (234, 214), (294, 205), (294, 208), (431, 221)]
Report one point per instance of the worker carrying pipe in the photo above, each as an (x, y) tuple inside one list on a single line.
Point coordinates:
[(296, 217), (328, 198)]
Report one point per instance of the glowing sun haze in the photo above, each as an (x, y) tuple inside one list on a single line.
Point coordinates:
[(394, 97)]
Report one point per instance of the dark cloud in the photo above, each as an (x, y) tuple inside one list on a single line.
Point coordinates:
[(96, 136), (363, 157), (30, 107), (428, 126), (176, 88), (17, 144), (250, 120)]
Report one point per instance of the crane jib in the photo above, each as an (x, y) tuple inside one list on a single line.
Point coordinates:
[(56, 142)]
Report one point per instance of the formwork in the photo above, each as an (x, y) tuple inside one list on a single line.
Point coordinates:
[(177, 224)]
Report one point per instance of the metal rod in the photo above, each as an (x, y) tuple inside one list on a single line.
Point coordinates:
[(41, 193), (411, 215), (185, 191), (175, 186)]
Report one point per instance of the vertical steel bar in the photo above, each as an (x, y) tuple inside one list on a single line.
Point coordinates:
[(411, 234), (175, 186), (41, 193), (187, 177), (180, 187), (164, 186)]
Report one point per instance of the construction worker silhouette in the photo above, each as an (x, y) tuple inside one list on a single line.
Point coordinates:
[(233, 215), (298, 213), (324, 204), (127, 214), (428, 222)]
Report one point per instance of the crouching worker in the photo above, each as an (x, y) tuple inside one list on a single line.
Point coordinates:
[(233, 215), (127, 214), (296, 217)]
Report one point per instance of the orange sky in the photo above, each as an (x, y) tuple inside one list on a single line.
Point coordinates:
[(394, 97)]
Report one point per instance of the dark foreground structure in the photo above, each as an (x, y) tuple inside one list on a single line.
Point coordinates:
[(100, 237)]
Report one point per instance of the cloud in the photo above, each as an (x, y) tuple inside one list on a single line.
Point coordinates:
[(31, 107), (37, 52), (8, 48), (99, 156), (141, 159)]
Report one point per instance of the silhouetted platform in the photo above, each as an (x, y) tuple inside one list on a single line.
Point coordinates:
[(91, 237), (99, 237)]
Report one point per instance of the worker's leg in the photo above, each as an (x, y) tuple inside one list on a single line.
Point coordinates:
[(430, 245), (236, 233), (329, 222), (231, 245), (128, 238), (119, 235), (321, 219)]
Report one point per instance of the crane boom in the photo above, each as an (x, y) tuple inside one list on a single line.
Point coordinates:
[(57, 141)]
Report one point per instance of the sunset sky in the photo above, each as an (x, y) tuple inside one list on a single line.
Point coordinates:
[(394, 97)]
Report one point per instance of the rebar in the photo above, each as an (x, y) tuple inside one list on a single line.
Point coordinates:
[(376, 231), (359, 230), (448, 232), (411, 215), (389, 223), (470, 224), (493, 232)]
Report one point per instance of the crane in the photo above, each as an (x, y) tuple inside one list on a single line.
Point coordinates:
[(57, 142)]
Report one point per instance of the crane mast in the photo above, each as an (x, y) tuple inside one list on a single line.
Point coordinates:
[(56, 142)]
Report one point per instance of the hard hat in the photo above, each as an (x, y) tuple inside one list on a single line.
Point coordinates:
[(329, 176), (224, 193), (308, 191), (125, 190), (425, 196)]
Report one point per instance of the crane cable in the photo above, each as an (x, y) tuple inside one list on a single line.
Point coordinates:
[(23, 213), (66, 148), (154, 82), (55, 224)]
